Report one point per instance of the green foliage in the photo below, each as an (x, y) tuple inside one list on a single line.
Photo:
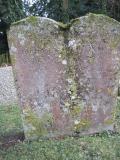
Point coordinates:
[(10, 120), (10, 11), (56, 10), (113, 9), (105, 147)]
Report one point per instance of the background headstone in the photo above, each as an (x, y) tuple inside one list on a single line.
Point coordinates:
[(66, 76)]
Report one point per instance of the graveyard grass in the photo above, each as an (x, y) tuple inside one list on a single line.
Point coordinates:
[(105, 146)]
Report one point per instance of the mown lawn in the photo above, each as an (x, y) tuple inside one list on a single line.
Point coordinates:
[(104, 146), (10, 120)]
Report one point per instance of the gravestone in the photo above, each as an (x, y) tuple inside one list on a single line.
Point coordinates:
[(66, 75)]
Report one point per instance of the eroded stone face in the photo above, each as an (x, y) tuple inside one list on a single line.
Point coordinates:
[(67, 79), (96, 52)]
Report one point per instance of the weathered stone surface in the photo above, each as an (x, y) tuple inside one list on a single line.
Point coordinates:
[(95, 48), (66, 76), (7, 86)]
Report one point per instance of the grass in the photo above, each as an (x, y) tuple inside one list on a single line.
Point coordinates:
[(10, 120), (104, 146), (86, 148), (4, 59)]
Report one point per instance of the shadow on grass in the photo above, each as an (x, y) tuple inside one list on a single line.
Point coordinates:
[(11, 139)]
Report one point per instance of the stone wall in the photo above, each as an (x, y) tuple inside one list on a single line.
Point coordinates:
[(7, 86)]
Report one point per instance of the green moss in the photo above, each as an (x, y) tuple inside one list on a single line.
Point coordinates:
[(92, 17), (68, 25), (32, 19), (75, 21), (38, 125), (75, 111), (113, 117), (13, 59), (63, 26), (63, 53), (73, 88), (75, 107), (73, 102), (19, 22)]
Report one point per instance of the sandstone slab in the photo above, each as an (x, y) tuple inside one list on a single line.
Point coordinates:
[(66, 76)]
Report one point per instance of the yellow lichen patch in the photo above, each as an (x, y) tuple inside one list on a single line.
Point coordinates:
[(113, 116), (63, 53), (81, 125), (108, 121), (114, 43), (75, 110)]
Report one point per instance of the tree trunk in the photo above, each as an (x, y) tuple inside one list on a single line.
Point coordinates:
[(65, 4), (65, 8)]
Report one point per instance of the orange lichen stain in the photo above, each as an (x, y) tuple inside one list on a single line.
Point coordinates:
[(88, 113), (57, 115), (105, 90)]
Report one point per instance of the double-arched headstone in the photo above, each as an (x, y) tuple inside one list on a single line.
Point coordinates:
[(66, 75)]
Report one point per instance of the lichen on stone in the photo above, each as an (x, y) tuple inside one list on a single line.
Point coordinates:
[(36, 125)]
